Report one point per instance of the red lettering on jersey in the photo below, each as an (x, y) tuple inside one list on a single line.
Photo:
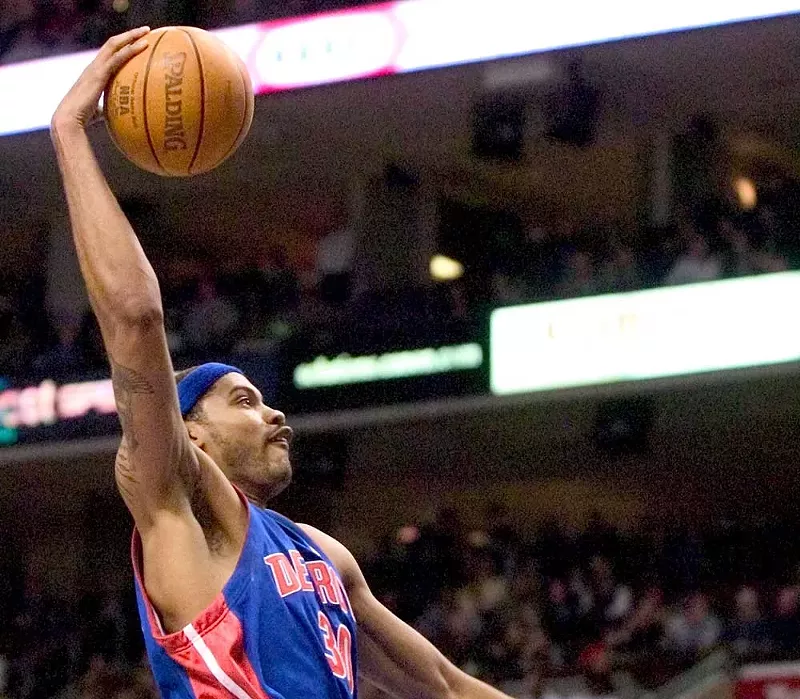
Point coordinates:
[(331, 641), (345, 643), (300, 568), (286, 578), (323, 581), (338, 650)]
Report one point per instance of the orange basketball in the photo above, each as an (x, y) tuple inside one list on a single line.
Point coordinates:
[(181, 106)]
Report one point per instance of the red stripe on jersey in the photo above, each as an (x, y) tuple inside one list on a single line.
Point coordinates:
[(225, 643)]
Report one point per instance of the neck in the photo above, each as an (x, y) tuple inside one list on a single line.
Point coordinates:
[(253, 494)]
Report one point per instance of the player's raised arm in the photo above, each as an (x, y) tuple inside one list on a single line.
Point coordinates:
[(156, 466)]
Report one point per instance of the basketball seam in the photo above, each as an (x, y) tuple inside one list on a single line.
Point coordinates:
[(145, 105), (202, 102), (236, 143)]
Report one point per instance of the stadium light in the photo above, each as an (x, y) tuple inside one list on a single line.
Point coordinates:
[(445, 269), (747, 193)]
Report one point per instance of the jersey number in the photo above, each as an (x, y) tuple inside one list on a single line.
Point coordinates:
[(338, 649)]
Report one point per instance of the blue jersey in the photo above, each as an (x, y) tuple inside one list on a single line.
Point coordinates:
[(282, 627)]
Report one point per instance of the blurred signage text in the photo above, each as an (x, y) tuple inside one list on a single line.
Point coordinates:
[(344, 369), (649, 334)]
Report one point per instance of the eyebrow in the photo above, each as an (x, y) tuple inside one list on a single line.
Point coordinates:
[(252, 392)]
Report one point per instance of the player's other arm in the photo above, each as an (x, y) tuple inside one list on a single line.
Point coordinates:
[(393, 656), (156, 465)]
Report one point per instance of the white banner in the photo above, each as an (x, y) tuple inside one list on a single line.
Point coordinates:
[(397, 37), (646, 334)]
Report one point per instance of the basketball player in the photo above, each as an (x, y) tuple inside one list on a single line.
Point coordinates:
[(235, 600)]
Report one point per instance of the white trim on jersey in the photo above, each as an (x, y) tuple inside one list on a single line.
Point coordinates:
[(212, 664)]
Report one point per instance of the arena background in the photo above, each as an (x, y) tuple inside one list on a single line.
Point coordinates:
[(624, 539)]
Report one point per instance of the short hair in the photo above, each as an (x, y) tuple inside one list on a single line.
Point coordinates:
[(196, 414)]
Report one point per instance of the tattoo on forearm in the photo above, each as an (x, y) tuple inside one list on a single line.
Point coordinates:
[(128, 383), (125, 471)]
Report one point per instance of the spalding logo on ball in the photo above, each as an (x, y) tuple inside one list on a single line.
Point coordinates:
[(181, 106)]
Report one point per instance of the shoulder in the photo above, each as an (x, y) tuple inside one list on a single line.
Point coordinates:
[(338, 553)]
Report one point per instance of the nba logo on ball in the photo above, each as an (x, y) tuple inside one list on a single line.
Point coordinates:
[(124, 100), (120, 102), (182, 106)]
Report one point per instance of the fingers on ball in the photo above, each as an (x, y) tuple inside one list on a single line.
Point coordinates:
[(118, 59), (115, 43), (135, 47)]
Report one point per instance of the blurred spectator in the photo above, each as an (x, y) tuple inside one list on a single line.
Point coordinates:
[(506, 289), (562, 620), (739, 259), (641, 633), (766, 260), (620, 271), (210, 322), (579, 277), (786, 624), (612, 601), (452, 623), (267, 294), (63, 357), (596, 661), (748, 632), (695, 264), (436, 561), (693, 630), (746, 258), (488, 589), (501, 537), (600, 538)]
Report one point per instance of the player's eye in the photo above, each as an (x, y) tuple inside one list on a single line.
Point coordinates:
[(245, 400)]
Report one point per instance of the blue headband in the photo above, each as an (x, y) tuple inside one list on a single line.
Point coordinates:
[(193, 386)]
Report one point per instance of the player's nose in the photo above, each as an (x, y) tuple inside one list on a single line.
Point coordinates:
[(274, 417)]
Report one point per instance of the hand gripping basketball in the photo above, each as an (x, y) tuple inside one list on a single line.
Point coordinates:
[(80, 105), (182, 106)]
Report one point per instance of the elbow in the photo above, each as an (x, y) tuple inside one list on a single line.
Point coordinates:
[(451, 685), (123, 304), (457, 684), (143, 315)]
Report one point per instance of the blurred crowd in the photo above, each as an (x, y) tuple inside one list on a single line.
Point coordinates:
[(585, 260), (606, 609), (31, 29), (591, 613), (268, 306)]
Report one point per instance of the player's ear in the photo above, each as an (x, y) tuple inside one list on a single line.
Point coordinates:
[(196, 433)]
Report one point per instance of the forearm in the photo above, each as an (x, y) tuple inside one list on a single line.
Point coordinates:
[(119, 279), (402, 662)]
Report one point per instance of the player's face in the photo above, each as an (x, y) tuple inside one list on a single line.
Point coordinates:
[(247, 439)]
